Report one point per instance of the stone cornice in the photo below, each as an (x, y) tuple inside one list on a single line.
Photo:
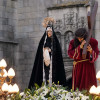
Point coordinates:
[(8, 42), (69, 4)]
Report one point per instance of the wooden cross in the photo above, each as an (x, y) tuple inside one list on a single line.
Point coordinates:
[(91, 20)]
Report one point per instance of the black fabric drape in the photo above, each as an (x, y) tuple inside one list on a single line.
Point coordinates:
[(58, 72)]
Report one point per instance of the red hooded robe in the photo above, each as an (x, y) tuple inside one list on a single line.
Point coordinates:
[(84, 75)]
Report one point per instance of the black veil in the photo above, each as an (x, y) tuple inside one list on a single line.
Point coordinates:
[(58, 72)]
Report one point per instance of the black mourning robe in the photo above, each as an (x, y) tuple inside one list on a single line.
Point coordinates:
[(58, 72)]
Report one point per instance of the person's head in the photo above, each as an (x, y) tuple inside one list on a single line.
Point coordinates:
[(81, 34), (49, 31)]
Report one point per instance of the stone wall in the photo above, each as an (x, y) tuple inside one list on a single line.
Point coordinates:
[(7, 42), (21, 29)]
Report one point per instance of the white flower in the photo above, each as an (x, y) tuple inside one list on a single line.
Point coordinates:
[(81, 94), (51, 94), (77, 98), (55, 92), (12, 95), (8, 96), (63, 95), (69, 94), (22, 93), (58, 91), (67, 98), (43, 98), (22, 99), (8, 99), (85, 98), (44, 93)]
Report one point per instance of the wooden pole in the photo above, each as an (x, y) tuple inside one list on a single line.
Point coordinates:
[(91, 20)]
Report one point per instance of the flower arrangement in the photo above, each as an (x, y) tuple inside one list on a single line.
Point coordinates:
[(45, 92), (55, 92)]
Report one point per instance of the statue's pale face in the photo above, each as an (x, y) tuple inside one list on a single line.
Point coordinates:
[(49, 32)]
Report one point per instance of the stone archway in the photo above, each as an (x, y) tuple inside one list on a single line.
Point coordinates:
[(68, 36)]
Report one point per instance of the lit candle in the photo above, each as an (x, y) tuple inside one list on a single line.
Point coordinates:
[(93, 90), (3, 63), (98, 75), (15, 88), (5, 73), (10, 88), (5, 87), (11, 72), (98, 89)]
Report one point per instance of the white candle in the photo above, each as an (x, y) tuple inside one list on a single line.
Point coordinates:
[(93, 90), (98, 89), (10, 89), (5, 87), (11, 72), (98, 75), (3, 63), (15, 88)]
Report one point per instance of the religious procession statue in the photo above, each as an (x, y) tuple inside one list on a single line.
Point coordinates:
[(48, 65)]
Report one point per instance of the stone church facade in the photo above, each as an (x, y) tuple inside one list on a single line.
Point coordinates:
[(21, 30)]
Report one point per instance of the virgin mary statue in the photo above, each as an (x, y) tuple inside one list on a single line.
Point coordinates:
[(48, 65)]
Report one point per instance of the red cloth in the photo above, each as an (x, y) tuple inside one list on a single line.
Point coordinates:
[(84, 75)]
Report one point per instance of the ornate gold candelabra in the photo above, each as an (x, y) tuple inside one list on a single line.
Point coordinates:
[(6, 87)]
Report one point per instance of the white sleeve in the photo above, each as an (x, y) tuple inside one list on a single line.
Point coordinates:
[(46, 57)]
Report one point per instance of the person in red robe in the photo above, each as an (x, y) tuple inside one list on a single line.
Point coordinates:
[(83, 75)]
